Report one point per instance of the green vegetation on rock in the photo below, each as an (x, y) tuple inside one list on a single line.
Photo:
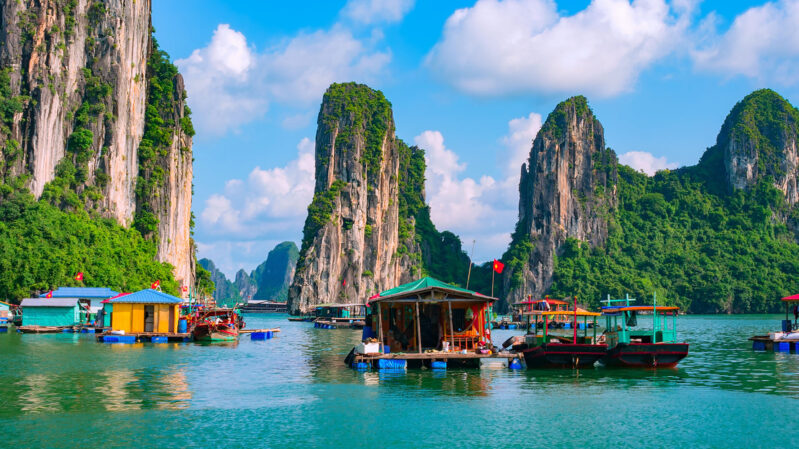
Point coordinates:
[(42, 247), (686, 235)]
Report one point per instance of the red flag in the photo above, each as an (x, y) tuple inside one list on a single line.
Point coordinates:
[(344, 283), (185, 288), (498, 266), (49, 294), (155, 285), (79, 276)]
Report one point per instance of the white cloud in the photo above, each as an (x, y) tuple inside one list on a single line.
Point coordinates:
[(270, 202), (762, 43), (646, 162), (376, 11), (218, 80), (483, 210), (230, 83), (521, 132), (501, 47)]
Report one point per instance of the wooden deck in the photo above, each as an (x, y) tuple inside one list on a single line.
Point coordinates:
[(250, 331), (147, 336), (434, 356)]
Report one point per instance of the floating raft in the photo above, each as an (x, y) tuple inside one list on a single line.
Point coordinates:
[(153, 337), (434, 360), (769, 343), (339, 323), (252, 331)]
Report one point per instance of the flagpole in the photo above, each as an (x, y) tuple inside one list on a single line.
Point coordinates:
[(471, 256), (492, 280)]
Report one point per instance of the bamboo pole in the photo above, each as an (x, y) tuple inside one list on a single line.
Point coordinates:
[(418, 329), (451, 327), (380, 326)]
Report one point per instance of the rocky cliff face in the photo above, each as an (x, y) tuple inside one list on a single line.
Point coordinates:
[(355, 242), (274, 276), (758, 140), (77, 80), (567, 189)]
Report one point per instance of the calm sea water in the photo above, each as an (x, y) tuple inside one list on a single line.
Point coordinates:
[(65, 390)]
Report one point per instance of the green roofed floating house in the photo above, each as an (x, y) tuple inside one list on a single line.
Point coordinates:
[(90, 298), (427, 323), (42, 315), (338, 316)]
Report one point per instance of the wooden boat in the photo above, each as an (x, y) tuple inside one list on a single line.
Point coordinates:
[(555, 351), (217, 324), (645, 348)]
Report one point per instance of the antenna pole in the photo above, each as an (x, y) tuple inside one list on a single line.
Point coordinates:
[(469, 275)]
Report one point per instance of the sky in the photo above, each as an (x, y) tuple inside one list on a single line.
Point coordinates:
[(469, 81)]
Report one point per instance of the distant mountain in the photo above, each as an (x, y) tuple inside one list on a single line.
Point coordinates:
[(269, 281), (226, 291)]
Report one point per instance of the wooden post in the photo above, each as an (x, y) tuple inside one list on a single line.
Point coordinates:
[(418, 329), (575, 320), (451, 327), (380, 326)]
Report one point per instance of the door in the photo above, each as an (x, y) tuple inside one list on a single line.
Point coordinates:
[(172, 310), (149, 318)]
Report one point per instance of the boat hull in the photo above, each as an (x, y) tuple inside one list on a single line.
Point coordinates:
[(202, 333), (646, 355), (563, 355)]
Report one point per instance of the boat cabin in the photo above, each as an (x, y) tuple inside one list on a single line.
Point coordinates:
[(146, 311), (532, 311), (430, 314), (622, 319)]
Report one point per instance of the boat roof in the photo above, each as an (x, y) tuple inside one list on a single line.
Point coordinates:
[(425, 290), (579, 312), (82, 292), (616, 309), (537, 301), (791, 298)]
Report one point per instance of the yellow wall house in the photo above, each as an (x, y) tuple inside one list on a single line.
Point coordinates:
[(145, 311)]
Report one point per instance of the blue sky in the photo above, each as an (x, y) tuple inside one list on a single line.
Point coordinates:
[(470, 81)]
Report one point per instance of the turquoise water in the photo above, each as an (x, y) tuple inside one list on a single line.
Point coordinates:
[(65, 390)]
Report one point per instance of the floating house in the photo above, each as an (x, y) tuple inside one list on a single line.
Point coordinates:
[(90, 297), (787, 339), (5, 312), (50, 312), (147, 311), (428, 323), (104, 315), (336, 316)]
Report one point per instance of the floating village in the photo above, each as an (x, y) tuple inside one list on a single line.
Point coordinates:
[(424, 324)]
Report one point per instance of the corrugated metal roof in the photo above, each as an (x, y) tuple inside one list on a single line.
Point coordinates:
[(148, 296), (49, 302), (82, 292)]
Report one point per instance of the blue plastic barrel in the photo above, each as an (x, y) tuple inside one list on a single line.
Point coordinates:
[(386, 349), (269, 335), (392, 364), (782, 346), (360, 366), (515, 364), (758, 345), (66, 331), (438, 364), (3, 329), (183, 326), (159, 339), (258, 336)]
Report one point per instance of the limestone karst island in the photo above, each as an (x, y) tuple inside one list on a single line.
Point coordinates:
[(399, 223)]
